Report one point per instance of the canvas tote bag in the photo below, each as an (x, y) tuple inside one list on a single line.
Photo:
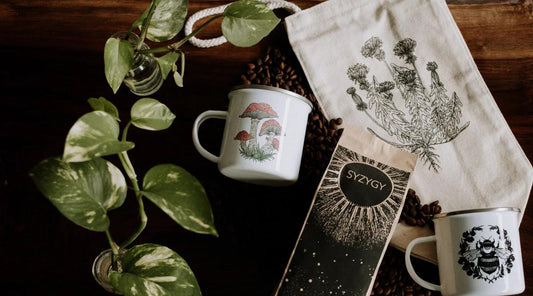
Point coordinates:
[(401, 70)]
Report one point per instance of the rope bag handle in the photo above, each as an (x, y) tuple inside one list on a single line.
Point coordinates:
[(206, 43)]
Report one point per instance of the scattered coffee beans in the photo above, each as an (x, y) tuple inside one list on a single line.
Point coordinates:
[(416, 214), (393, 279), (281, 70)]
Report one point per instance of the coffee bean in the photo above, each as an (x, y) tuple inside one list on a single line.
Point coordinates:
[(416, 214), (425, 209)]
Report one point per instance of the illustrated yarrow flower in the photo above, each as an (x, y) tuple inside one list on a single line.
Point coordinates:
[(407, 77), (405, 49), (432, 66), (372, 49), (361, 106), (435, 80), (385, 86), (357, 73)]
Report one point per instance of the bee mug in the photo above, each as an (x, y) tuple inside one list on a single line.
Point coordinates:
[(263, 136), (478, 253)]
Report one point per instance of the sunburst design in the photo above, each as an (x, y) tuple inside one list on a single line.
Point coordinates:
[(346, 221)]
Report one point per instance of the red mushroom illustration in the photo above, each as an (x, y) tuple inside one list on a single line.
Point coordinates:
[(243, 136), (275, 144), (256, 112), (270, 128)]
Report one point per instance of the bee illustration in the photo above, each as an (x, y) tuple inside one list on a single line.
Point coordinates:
[(488, 255)]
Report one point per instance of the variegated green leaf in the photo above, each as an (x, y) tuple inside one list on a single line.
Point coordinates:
[(101, 104), (150, 114), (167, 62), (84, 191), (167, 20), (140, 20), (118, 58), (246, 22), (181, 196), (94, 134), (153, 270)]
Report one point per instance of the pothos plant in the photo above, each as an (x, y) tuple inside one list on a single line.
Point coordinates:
[(244, 24), (84, 187)]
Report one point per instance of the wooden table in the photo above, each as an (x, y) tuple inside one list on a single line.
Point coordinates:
[(51, 52)]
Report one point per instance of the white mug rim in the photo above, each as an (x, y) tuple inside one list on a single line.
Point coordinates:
[(271, 88), (471, 211)]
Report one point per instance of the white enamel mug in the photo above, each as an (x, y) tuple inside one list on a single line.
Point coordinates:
[(478, 253), (263, 136)]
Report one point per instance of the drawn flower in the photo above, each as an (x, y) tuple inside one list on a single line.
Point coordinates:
[(361, 106), (372, 49), (357, 73), (407, 77), (385, 86), (432, 66), (435, 80), (405, 49)]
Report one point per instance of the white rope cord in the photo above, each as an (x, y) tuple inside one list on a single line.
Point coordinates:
[(205, 43)]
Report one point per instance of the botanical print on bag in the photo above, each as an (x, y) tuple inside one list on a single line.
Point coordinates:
[(250, 147), (486, 253), (433, 117)]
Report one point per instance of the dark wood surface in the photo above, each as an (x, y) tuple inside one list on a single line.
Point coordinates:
[(52, 61)]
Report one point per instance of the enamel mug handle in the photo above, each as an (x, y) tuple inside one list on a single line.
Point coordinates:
[(409, 265), (199, 120)]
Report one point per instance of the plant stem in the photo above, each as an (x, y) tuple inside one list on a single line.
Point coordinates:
[(401, 146), (146, 24), (112, 243), (142, 225), (420, 79), (177, 45), (182, 57), (154, 50), (128, 167)]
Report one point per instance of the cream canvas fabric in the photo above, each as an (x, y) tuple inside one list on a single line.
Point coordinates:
[(401, 70)]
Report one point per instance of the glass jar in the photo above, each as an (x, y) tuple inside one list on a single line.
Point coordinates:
[(102, 265), (145, 77)]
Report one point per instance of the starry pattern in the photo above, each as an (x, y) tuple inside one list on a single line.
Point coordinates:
[(340, 247)]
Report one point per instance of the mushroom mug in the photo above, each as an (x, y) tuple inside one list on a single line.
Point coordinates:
[(263, 136)]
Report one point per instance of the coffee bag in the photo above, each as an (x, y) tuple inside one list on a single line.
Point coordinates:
[(351, 219)]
